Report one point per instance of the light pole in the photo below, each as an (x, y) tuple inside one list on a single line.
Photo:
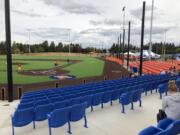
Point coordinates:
[(165, 32), (29, 34), (8, 49), (69, 41), (142, 38), (124, 9), (151, 27)]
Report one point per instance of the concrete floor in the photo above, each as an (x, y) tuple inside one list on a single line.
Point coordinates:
[(107, 121)]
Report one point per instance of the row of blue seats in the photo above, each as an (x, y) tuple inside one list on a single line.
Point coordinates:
[(55, 93), (40, 93), (92, 100), (164, 127), (56, 117), (75, 87)]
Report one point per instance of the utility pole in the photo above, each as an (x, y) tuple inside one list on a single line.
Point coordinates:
[(69, 41), (129, 34), (123, 46), (165, 42), (151, 27), (142, 38), (120, 46), (29, 32), (8, 49)]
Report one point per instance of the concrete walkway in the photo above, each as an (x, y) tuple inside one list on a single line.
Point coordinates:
[(107, 121)]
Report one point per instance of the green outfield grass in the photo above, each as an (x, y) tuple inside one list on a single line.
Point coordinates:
[(88, 67)]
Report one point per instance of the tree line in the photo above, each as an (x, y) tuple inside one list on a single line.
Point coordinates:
[(159, 48), (18, 48)]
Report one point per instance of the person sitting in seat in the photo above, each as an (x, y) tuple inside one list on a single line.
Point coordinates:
[(171, 103)]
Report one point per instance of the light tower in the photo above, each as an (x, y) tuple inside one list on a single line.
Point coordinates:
[(151, 27)]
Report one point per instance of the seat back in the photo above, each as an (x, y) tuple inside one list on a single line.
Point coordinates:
[(126, 98), (26, 100), (41, 102), (162, 88), (55, 99), (136, 96), (77, 112), (175, 127), (115, 95), (23, 117), (151, 130), (62, 104), (97, 98), (58, 117), (75, 101), (41, 111), (163, 124), (107, 96), (87, 99), (25, 105)]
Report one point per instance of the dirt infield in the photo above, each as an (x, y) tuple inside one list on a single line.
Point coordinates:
[(58, 70)]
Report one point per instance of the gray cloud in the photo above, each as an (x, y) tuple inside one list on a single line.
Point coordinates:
[(47, 33), (101, 32), (27, 13), (138, 12), (135, 31), (1, 5), (108, 22), (74, 6)]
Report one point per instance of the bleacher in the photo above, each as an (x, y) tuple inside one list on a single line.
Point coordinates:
[(72, 101)]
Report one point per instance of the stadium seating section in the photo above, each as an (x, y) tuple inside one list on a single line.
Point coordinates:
[(68, 104), (150, 67)]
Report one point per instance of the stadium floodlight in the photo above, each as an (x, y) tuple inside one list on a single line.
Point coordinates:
[(29, 34), (129, 34), (165, 36), (124, 16), (142, 38), (9, 51), (151, 27), (69, 36)]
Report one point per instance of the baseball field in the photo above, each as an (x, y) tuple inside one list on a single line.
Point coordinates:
[(29, 69)]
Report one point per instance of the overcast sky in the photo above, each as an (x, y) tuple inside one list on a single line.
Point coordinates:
[(90, 22)]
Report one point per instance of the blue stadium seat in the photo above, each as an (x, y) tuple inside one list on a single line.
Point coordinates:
[(26, 100), (162, 88), (96, 100), (178, 82), (61, 104), (25, 105), (163, 124), (41, 112), (58, 118), (175, 127), (150, 131), (136, 97), (75, 101), (41, 102), (22, 117), (78, 112), (125, 99), (56, 99), (87, 99), (115, 95), (106, 97), (53, 95)]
